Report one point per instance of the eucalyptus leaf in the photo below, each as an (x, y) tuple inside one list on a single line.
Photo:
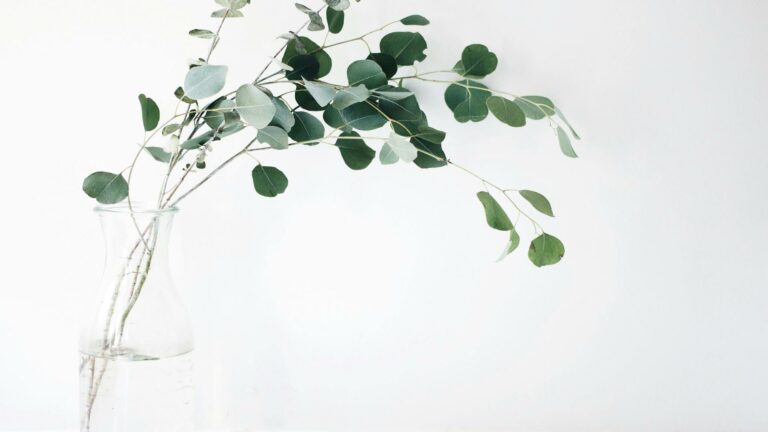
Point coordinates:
[(106, 188), (403, 148), (506, 111), (305, 100), (303, 45), (478, 61), (415, 20), (307, 130), (255, 107), (467, 99), (494, 214), (393, 95), (567, 123), (387, 155), (322, 93), (150, 113), (536, 107), (512, 244), (179, 93), (171, 128), (363, 116), (303, 66), (338, 5), (565, 143), (356, 154), (347, 97), (283, 115), (274, 136), (333, 118), (538, 201), (366, 72), (335, 20), (204, 81), (546, 250), (229, 13), (202, 34), (269, 181), (387, 62), (158, 154), (406, 47)]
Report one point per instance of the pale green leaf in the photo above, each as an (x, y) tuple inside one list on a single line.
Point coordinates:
[(204, 81), (274, 136), (254, 106)]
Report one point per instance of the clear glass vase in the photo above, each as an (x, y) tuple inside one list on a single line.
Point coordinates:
[(136, 341)]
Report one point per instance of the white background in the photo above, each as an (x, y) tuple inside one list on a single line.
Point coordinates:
[(371, 300)]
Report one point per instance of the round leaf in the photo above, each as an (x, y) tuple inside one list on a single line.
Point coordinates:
[(467, 99), (304, 45), (335, 20), (106, 188), (304, 67), (269, 181), (506, 111), (356, 154), (407, 48), (204, 81), (546, 250), (367, 73), (477, 61), (254, 106), (307, 129), (362, 116), (274, 136), (387, 62)]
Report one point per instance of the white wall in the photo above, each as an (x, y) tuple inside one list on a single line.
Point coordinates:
[(371, 300)]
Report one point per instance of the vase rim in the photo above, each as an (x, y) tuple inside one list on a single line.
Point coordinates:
[(136, 207)]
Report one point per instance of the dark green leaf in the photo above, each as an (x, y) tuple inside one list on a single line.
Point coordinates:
[(506, 111), (335, 20), (333, 118), (538, 201), (546, 250), (269, 181), (363, 116), (367, 73), (307, 130), (387, 62), (322, 93), (150, 113), (106, 188), (407, 48), (467, 99), (494, 214), (301, 43), (356, 154), (159, 154), (416, 20), (477, 61), (304, 67), (305, 100)]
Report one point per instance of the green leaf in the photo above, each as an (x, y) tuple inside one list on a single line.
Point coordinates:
[(387, 62), (307, 130), (274, 136), (171, 128), (303, 45), (403, 148), (304, 66), (283, 115), (202, 34), (546, 250), (478, 61), (393, 95), (349, 96), (158, 154), (333, 118), (407, 48), (322, 93), (428, 141), (367, 73), (405, 110), (415, 20), (204, 81), (363, 116), (506, 111), (179, 93), (467, 99), (387, 155), (215, 117), (494, 214), (269, 181), (538, 201), (254, 106), (356, 154), (512, 244), (150, 113), (536, 107), (565, 143), (335, 20), (229, 13), (305, 100), (106, 188)]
